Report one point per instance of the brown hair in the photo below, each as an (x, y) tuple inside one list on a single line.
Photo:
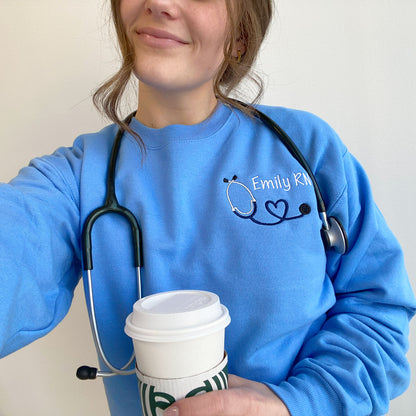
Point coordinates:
[(248, 21)]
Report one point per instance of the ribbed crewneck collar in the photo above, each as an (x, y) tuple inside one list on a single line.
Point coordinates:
[(156, 138)]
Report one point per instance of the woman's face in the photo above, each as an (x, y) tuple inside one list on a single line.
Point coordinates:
[(178, 44)]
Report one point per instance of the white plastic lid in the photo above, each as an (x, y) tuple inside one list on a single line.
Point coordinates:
[(176, 316)]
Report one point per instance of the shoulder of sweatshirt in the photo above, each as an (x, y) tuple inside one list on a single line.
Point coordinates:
[(314, 136), (320, 145), (100, 141), (62, 169)]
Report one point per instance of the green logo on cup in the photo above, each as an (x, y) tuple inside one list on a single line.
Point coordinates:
[(153, 400)]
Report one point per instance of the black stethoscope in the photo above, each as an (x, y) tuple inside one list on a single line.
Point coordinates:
[(332, 233)]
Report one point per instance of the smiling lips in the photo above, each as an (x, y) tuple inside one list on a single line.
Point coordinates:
[(160, 38)]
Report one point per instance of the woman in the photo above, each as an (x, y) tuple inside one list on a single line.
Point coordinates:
[(313, 331)]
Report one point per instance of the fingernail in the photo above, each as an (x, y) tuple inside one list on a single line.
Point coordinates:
[(171, 411)]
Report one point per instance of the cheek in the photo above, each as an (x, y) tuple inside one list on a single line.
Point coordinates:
[(215, 33), (128, 11), (216, 48)]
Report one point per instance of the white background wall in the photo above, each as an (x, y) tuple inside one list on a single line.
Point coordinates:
[(351, 62)]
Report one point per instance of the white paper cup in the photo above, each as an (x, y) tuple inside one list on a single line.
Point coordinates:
[(178, 334), (157, 394)]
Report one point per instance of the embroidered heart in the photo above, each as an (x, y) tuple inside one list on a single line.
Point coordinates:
[(277, 208)]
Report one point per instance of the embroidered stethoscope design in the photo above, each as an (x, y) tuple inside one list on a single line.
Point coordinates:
[(277, 209)]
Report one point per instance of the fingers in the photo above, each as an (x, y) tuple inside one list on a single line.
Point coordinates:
[(242, 398), (219, 403), (237, 382)]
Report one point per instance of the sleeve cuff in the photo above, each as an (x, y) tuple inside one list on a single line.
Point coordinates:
[(308, 394)]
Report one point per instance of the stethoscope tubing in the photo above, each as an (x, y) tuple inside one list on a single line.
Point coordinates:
[(96, 337), (111, 205), (297, 154)]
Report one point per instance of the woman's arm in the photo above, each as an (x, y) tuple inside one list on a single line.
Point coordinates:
[(39, 248)]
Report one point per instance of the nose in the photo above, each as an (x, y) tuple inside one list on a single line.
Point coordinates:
[(162, 8)]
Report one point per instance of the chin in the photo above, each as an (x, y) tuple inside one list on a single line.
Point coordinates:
[(169, 83)]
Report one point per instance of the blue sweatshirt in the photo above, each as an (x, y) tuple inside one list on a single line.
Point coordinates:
[(327, 333)]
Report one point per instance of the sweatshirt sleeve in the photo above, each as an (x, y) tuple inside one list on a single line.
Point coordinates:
[(356, 363), (39, 247)]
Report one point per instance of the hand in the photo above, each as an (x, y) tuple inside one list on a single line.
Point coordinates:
[(243, 398)]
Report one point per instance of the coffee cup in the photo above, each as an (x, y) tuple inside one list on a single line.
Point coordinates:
[(157, 394), (178, 340)]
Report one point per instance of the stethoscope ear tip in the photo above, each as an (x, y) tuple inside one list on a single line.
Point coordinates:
[(86, 373)]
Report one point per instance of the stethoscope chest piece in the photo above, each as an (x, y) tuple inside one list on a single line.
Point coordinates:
[(334, 236)]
